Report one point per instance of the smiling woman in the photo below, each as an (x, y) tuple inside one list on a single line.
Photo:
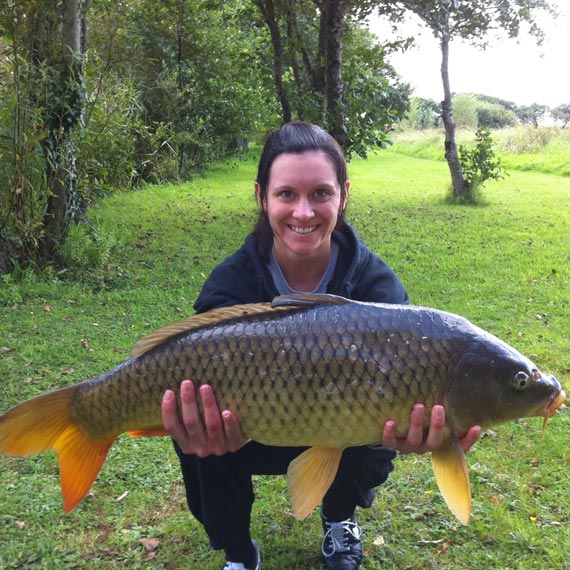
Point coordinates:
[(303, 204), (301, 243)]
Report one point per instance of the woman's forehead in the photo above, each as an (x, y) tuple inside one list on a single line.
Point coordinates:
[(304, 168)]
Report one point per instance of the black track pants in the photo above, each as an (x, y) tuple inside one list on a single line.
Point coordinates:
[(220, 493)]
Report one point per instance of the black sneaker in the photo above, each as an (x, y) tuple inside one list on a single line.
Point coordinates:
[(342, 547), (240, 566)]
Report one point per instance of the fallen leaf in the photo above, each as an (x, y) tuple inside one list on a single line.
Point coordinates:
[(20, 525), (495, 500), (379, 540), (47, 308), (150, 546)]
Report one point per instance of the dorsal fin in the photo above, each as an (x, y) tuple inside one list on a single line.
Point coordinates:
[(308, 300), (213, 317)]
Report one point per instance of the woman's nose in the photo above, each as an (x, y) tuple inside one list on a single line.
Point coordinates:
[(303, 209)]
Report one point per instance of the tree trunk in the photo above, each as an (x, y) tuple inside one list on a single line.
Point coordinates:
[(267, 8), (64, 205), (334, 89), (451, 155)]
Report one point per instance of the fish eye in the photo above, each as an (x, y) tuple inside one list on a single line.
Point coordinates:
[(520, 380)]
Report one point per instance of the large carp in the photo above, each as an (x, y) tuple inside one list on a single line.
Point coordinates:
[(307, 370)]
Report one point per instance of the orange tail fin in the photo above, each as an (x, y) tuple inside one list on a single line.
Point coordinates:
[(44, 423)]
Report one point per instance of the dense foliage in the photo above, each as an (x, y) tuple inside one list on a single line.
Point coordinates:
[(154, 91), (97, 95)]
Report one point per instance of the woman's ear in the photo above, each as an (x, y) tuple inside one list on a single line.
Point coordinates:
[(260, 200), (345, 198)]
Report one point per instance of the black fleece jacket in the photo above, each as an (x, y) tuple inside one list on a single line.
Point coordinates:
[(359, 274)]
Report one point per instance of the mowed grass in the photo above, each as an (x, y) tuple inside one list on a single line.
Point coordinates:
[(505, 265)]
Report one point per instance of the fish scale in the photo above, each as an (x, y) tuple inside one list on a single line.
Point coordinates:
[(311, 370), (287, 379)]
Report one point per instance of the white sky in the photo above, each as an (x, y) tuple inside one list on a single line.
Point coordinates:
[(509, 69)]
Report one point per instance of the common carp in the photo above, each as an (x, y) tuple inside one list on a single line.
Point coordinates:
[(293, 371)]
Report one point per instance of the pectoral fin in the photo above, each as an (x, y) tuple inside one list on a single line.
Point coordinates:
[(450, 469), (310, 475)]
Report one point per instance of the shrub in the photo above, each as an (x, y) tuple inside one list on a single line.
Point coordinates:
[(465, 110), (479, 163), (495, 117), (87, 248)]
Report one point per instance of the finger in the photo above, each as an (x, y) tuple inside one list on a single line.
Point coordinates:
[(470, 438), (415, 435), (170, 417), (167, 407), (389, 439), (191, 414), (436, 428), (212, 421), (232, 429)]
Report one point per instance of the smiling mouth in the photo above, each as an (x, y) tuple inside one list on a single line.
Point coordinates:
[(303, 230)]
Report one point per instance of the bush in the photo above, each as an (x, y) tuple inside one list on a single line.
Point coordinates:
[(495, 117), (479, 163), (423, 114), (87, 248), (465, 108)]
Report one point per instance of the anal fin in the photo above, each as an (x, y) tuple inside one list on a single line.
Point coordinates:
[(450, 469), (310, 475)]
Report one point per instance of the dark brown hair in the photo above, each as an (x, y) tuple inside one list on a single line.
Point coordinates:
[(296, 137)]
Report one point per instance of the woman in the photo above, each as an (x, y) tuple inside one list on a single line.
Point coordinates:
[(301, 243)]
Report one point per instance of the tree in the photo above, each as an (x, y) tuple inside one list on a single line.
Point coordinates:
[(267, 9), (63, 54), (562, 114), (495, 116), (422, 114), (42, 104), (472, 21), (531, 114), (320, 47)]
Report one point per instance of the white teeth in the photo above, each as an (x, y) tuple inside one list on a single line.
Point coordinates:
[(300, 230)]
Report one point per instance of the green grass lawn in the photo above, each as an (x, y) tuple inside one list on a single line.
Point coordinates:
[(505, 265)]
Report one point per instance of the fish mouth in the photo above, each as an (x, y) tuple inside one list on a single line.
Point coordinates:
[(552, 407), (555, 404)]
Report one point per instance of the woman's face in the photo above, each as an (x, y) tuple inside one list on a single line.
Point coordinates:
[(303, 203)]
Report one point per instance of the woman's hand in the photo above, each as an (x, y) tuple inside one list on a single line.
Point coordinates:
[(214, 434), (417, 440)]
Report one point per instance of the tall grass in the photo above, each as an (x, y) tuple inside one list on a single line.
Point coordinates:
[(545, 150), (504, 265)]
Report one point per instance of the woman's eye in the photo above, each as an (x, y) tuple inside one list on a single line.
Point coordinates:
[(322, 194)]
